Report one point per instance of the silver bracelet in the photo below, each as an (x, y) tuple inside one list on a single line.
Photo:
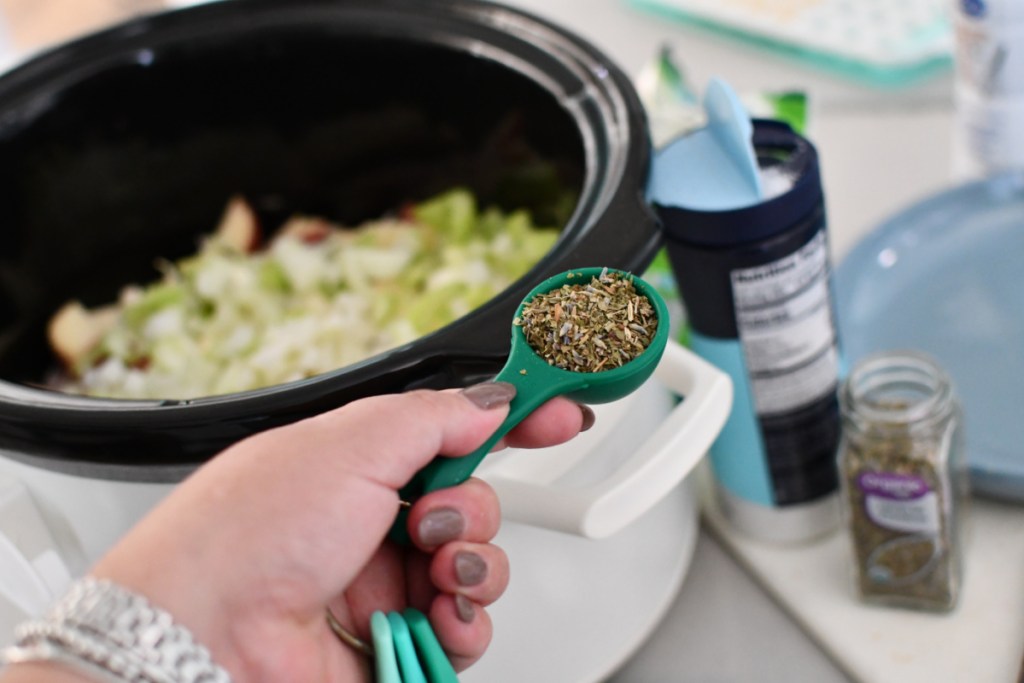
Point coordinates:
[(108, 631)]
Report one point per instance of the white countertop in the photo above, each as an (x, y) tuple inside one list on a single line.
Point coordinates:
[(753, 611), (747, 611), (724, 628), (981, 640)]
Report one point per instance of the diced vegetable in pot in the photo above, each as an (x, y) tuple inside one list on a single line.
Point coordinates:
[(238, 316)]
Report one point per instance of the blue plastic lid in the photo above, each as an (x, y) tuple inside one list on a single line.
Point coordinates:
[(701, 200)]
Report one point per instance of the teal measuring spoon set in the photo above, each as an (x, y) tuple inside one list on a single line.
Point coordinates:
[(405, 647)]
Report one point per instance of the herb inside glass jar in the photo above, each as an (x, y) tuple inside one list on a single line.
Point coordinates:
[(591, 326), (904, 480)]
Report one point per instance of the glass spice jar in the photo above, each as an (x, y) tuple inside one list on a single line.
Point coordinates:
[(903, 479)]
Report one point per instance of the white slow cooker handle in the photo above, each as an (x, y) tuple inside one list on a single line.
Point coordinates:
[(657, 466)]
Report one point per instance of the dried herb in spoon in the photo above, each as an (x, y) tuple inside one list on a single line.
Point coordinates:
[(591, 326)]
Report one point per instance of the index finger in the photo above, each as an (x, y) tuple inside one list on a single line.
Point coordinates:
[(553, 423)]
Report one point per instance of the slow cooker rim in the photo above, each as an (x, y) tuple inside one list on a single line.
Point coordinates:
[(21, 404)]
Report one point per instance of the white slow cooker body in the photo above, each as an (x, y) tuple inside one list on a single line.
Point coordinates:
[(562, 583), (86, 516)]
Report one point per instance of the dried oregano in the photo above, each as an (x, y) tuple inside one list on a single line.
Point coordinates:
[(903, 474), (590, 326), (895, 563)]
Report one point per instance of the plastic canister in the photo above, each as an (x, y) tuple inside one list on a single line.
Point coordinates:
[(756, 285), (989, 86)]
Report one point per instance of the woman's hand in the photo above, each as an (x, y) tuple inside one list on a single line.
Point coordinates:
[(251, 551)]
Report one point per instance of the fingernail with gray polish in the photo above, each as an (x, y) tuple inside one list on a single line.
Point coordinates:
[(464, 609), (588, 417), (470, 568), (487, 395), (441, 526)]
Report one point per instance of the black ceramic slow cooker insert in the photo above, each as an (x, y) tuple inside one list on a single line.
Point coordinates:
[(122, 148)]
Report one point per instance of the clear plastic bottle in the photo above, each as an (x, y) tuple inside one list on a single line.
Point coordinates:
[(989, 87), (904, 480)]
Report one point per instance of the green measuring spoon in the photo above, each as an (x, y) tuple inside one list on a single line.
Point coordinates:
[(432, 657), (536, 382), (405, 650)]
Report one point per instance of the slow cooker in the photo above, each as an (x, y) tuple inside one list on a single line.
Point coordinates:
[(121, 148)]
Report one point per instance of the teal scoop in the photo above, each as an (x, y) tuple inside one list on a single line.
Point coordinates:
[(537, 381)]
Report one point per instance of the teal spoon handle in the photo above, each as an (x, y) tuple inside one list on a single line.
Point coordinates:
[(385, 659), (532, 389), (405, 650), (432, 657)]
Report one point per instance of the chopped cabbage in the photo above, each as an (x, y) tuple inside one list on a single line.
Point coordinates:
[(227, 320)]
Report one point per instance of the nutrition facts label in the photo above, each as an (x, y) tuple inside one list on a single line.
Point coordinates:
[(786, 327)]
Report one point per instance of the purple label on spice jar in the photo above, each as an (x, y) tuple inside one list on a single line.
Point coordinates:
[(895, 486)]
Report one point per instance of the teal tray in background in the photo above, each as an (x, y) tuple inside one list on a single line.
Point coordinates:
[(944, 277), (888, 43)]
